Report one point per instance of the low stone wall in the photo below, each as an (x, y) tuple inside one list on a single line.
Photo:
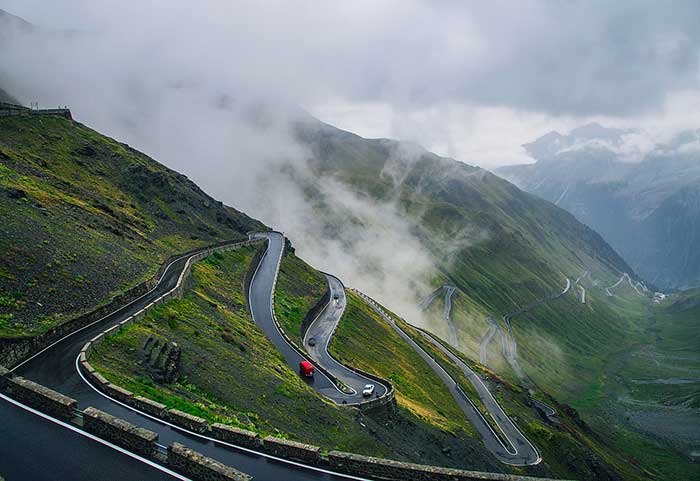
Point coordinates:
[(187, 421), (200, 467), (358, 465), (287, 449), (120, 432), (41, 398), (146, 405), (236, 436)]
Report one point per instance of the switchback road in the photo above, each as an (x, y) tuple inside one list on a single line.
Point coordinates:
[(260, 295), (318, 337), (56, 368), (518, 450)]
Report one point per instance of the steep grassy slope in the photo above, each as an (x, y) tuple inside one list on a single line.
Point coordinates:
[(501, 247), (570, 448), (362, 340), (299, 288), (228, 371), (85, 217)]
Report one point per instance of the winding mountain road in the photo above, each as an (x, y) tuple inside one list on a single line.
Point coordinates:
[(318, 336), (635, 286), (449, 291), (56, 367), (518, 450), (261, 307)]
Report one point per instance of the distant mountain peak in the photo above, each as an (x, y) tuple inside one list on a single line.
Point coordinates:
[(13, 21), (591, 135)]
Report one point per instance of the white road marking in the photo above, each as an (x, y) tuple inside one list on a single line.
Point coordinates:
[(95, 438)]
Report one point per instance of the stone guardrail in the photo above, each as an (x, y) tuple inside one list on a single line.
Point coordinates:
[(15, 350), (115, 430), (359, 465), (13, 111)]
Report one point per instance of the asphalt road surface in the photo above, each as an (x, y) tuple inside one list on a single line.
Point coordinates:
[(37, 449), (449, 290), (56, 368), (260, 295), (319, 335)]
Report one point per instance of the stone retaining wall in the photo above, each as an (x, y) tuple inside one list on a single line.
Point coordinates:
[(200, 467), (187, 421), (237, 436), (358, 465), (315, 311), (287, 449), (41, 398), (120, 432), (5, 376)]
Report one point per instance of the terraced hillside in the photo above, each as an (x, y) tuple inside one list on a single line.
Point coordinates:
[(86, 217)]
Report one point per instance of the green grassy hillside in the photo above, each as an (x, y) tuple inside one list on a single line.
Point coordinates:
[(501, 247), (299, 288), (85, 217), (364, 341), (570, 448)]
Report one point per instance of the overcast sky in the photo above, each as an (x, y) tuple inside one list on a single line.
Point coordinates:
[(471, 80)]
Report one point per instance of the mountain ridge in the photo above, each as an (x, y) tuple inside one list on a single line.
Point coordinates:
[(639, 206)]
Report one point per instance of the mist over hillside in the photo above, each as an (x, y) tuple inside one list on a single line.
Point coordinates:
[(640, 195)]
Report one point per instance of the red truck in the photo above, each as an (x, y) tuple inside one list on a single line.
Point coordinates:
[(306, 369)]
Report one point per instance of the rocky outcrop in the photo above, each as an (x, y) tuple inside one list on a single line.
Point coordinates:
[(162, 360)]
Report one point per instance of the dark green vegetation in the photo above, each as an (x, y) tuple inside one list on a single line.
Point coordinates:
[(570, 448), (85, 217), (299, 288), (648, 210)]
